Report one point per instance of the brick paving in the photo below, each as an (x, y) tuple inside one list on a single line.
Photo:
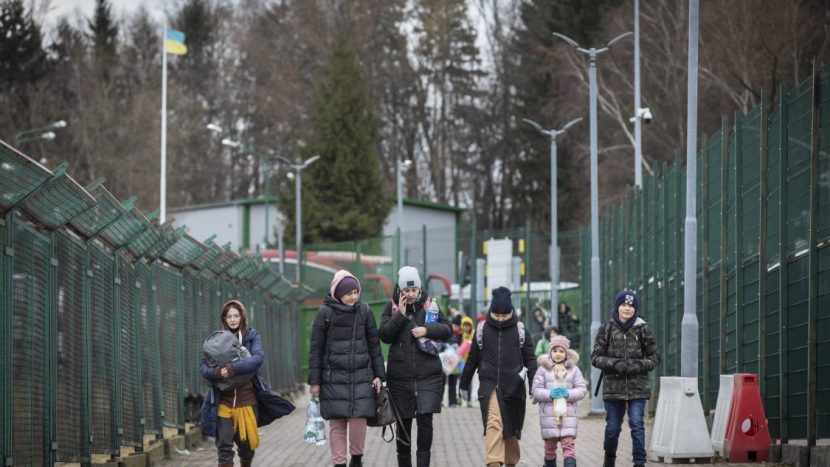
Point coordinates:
[(458, 442)]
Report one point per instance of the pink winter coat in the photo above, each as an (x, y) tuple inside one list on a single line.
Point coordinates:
[(543, 383)]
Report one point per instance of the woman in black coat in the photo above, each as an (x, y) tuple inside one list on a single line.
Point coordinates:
[(500, 351), (345, 366), (414, 377)]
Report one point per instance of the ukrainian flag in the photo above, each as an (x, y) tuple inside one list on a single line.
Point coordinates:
[(174, 42)]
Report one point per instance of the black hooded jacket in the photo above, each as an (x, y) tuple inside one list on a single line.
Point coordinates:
[(344, 358), (414, 378), (499, 363)]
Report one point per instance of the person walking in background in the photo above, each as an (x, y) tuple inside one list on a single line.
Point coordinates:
[(547, 390), (233, 416), (568, 324), (500, 351), (345, 367), (543, 346), (415, 375), (454, 342), (625, 350), (538, 324), (467, 334)]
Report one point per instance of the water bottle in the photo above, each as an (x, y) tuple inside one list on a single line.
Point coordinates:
[(432, 313)]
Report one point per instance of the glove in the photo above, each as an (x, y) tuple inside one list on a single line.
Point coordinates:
[(557, 393), (635, 367), (620, 367)]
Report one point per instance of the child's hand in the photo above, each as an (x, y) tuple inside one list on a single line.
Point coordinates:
[(557, 393)]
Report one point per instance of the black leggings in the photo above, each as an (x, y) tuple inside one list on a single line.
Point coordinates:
[(424, 433)]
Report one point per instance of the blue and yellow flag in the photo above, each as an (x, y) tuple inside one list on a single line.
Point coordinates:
[(174, 42)]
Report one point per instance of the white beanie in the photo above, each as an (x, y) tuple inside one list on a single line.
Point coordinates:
[(408, 277)]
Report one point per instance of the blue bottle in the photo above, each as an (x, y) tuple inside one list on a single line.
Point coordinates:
[(432, 313)]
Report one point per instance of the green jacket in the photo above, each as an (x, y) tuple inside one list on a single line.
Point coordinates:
[(626, 347), (542, 347)]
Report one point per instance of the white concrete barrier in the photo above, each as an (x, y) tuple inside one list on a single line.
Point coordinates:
[(727, 383), (680, 430)]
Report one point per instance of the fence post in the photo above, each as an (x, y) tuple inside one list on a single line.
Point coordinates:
[(180, 343), (678, 245), (783, 322), (473, 272), (50, 457), (7, 224), (812, 297), (704, 305), (739, 235), (86, 353), (117, 381), (424, 250), (724, 219), (139, 352), (763, 125)]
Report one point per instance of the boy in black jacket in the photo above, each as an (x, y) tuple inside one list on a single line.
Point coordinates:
[(500, 351)]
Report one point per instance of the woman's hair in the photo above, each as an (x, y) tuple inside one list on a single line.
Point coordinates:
[(243, 322)]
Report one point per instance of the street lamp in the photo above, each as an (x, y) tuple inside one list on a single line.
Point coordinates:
[(402, 166), (42, 133), (554, 240), (592, 53), (298, 206)]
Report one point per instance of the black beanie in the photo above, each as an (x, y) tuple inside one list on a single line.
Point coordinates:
[(501, 303), (345, 286)]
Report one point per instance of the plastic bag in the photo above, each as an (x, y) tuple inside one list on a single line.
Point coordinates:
[(449, 360), (315, 425)]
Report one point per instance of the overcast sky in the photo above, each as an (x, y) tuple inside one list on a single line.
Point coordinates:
[(83, 8)]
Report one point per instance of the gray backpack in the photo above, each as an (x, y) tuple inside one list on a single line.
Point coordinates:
[(221, 348)]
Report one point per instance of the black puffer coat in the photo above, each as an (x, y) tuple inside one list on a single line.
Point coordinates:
[(499, 363), (344, 358), (414, 378), (637, 344)]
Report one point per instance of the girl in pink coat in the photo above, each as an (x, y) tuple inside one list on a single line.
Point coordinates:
[(546, 390)]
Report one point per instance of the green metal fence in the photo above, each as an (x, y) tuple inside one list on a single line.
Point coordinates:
[(103, 314), (764, 263)]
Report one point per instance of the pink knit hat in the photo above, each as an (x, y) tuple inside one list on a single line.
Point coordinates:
[(560, 341)]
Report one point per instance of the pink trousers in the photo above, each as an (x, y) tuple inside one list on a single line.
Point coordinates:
[(337, 438), (568, 449)]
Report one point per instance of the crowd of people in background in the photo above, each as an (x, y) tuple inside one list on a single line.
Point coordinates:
[(514, 362)]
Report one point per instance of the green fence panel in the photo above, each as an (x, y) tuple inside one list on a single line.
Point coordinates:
[(169, 334), (103, 353), (30, 366), (71, 428), (150, 371), (823, 299), (130, 360)]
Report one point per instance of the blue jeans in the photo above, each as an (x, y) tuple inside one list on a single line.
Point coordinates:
[(614, 411)]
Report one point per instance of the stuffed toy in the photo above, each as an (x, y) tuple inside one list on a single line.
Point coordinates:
[(560, 404)]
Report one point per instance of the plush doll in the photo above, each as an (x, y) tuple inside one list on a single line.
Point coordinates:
[(560, 404)]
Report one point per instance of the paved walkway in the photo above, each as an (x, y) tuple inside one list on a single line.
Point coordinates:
[(458, 442)]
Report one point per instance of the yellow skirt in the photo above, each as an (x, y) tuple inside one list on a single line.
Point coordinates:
[(244, 422)]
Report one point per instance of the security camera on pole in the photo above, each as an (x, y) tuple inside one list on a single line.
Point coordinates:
[(554, 241), (597, 406)]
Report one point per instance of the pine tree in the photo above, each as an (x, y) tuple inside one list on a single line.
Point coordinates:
[(22, 58), (538, 93), (343, 196), (104, 35)]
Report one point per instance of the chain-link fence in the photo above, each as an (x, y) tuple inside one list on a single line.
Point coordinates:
[(103, 314), (764, 264)]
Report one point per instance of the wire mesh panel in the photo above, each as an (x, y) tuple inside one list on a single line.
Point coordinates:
[(103, 353), (823, 234), (150, 371), (192, 334), (30, 365), (797, 168), (71, 428), (130, 358), (5, 359), (169, 334)]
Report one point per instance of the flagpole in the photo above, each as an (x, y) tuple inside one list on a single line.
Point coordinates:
[(163, 188)]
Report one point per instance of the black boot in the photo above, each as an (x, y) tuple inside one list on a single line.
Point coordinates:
[(339, 465), (404, 460), (639, 465), (422, 458), (550, 462), (357, 460), (569, 462), (609, 460)]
